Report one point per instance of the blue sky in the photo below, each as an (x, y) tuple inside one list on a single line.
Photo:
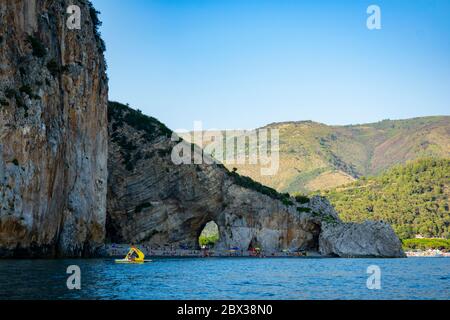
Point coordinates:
[(246, 63)]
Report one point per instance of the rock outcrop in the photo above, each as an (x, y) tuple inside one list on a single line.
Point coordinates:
[(367, 239), (151, 200), (53, 130)]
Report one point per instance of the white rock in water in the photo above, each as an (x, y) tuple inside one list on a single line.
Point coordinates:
[(367, 239)]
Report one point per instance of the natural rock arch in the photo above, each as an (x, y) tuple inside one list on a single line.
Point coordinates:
[(180, 199), (209, 234)]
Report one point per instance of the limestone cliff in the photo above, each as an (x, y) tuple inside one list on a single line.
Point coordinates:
[(53, 131), (54, 162), (151, 200)]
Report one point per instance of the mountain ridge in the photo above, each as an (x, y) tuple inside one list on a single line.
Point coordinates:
[(316, 156), (351, 124)]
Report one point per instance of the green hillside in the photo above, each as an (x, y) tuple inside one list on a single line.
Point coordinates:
[(413, 198), (315, 156)]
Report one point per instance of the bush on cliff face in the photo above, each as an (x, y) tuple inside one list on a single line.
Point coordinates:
[(303, 209), (287, 202), (4, 103), (302, 199), (26, 89), (55, 68), (17, 96), (142, 206), (39, 49), (10, 93)]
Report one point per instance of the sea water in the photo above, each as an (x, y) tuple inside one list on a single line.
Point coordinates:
[(228, 278)]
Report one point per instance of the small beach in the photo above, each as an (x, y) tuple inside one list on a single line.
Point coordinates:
[(120, 250)]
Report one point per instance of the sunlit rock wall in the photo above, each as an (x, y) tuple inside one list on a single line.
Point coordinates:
[(53, 131)]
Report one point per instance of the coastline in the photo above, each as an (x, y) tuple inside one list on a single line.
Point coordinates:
[(430, 253), (120, 250)]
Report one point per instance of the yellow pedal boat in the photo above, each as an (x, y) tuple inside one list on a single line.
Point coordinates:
[(134, 256)]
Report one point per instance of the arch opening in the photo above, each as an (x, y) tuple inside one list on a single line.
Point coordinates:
[(253, 245), (209, 235)]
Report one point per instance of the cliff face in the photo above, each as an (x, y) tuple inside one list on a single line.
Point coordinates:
[(54, 162), (151, 200), (370, 238), (53, 130)]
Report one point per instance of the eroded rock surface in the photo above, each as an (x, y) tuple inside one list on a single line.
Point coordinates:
[(367, 239), (54, 162), (53, 130), (151, 200)]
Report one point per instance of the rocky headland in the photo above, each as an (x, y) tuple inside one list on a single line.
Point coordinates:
[(76, 174), (153, 201)]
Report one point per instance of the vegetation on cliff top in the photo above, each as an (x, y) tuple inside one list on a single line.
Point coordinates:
[(413, 198), (96, 25), (119, 114)]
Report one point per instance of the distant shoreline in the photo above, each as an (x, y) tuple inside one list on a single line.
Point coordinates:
[(431, 253), (121, 250)]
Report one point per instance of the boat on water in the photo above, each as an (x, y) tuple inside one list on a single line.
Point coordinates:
[(134, 256)]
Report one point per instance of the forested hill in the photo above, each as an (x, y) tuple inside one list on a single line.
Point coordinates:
[(315, 156), (413, 197)]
